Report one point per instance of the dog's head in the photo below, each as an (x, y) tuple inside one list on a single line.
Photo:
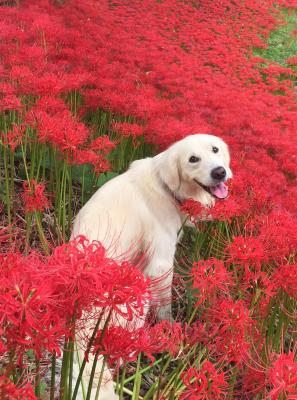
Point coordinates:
[(196, 167)]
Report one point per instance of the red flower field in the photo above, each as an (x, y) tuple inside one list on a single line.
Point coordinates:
[(88, 86)]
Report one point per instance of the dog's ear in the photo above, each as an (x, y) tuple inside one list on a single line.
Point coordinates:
[(167, 167)]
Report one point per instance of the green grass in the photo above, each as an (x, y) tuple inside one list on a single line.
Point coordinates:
[(282, 42)]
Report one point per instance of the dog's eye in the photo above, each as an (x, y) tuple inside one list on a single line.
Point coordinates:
[(215, 149), (194, 159)]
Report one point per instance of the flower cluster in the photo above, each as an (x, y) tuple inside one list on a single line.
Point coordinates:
[(204, 383), (123, 344), (33, 196)]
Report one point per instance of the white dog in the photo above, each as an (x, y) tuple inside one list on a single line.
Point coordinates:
[(139, 210)]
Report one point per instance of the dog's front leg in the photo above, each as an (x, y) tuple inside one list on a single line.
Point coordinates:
[(160, 270)]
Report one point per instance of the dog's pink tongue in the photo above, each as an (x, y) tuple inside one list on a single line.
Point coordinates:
[(220, 190)]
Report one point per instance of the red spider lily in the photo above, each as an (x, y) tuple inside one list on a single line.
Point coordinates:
[(33, 196), (8, 390), (125, 129), (39, 297), (204, 383), (230, 328), (276, 231), (285, 278), (226, 210), (118, 344), (193, 209), (246, 251), (8, 98), (83, 270), (126, 290), (254, 381), (122, 344), (28, 306), (10, 102), (99, 163), (13, 137), (210, 278), (282, 377), (164, 336), (61, 130), (102, 144)]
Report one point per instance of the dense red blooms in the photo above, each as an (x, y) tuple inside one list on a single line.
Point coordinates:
[(39, 296), (210, 278), (13, 138), (230, 329), (118, 344), (285, 278), (33, 196), (192, 209), (246, 251), (282, 377), (28, 306), (123, 344), (8, 391), (77, 80), (277, 233), (164, 336), (83, 270), (156, 77), (102, 144), (126, 129), (205, 383)]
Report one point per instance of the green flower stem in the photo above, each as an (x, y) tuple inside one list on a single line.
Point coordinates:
[(37, 378), (64, 371), (121, 391), (100, 379), (53, 377), (78, 381), (137, 380), (96, 356), (42, 237)]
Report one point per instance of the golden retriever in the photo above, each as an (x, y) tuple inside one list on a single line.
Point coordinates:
[(139, 210)]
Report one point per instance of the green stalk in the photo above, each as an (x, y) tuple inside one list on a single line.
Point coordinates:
[(137, 381), (69, 199), (44, 242), (80, 364), (92, 375), (53, 377), (78, 381), (83, 184), (67, 362), (100, 379), (131, 378), (71, 349), (63, 200), (160, 377), (42, 237), (121, 392), (37, 378), (96, 356), (7, 186), (64, 371), (12, 174), (152, 389)]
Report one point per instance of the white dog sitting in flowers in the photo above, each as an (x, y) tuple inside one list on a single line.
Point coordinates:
[(139, 210)]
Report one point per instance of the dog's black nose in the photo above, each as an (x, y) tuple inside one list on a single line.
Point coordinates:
[(218, 173)]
